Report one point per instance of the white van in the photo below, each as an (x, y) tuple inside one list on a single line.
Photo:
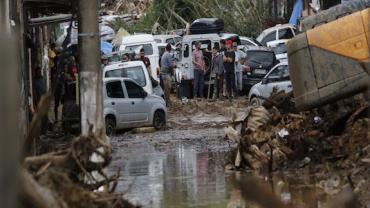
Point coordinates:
[(185, 64), (134, 70), (134, 43)]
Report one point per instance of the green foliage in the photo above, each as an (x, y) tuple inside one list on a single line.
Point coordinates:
[(244, 17)]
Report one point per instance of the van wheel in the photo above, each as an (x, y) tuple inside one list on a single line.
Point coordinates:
[(159, 120), (110, 126), (255, 102)]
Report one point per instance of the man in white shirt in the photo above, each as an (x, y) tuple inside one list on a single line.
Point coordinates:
[(240, 57)]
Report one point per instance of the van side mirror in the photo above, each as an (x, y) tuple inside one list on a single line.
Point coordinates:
[(264, 81)]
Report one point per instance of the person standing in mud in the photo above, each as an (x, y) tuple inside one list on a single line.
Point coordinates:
[(223, 49), (145, 60), (40, 84), (199, 70), (239, 61), (218, 69), (167, 65), (59, 90), (229, 64)]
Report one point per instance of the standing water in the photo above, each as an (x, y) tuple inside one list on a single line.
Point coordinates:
[(185, 168)]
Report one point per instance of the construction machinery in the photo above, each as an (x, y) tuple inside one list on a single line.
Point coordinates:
[(330, 59)]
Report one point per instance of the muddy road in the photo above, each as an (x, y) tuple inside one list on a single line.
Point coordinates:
[(184, 166)]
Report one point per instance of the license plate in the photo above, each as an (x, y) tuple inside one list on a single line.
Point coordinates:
[(259, 71)]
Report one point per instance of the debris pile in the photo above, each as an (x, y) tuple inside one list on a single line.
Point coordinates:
[(72, 177), (274, 136), (202, 113), (137, 7)]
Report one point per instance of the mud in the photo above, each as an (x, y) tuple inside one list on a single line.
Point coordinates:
[(184, 166)]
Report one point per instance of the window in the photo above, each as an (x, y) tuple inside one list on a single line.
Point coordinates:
[(246, 42), (268, 38), (158, 40), (136, 49), (217, 45), (133, 90), (286, 33), (206, 44), (135, 73), (186, 51), (170, 41), (281, 73), (280, 49), (114, 90), (178, 39), (260, 57)]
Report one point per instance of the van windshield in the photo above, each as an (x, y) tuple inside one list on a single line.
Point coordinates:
[(136, 49), (260, 57), (135, 73)]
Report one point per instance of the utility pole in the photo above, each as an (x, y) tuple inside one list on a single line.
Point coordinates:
[(90, 74), (10, 93)]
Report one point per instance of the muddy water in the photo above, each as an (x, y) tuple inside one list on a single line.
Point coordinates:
[(185, 168)]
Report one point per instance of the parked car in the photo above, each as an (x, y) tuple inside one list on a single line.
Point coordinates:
[(280, 49), (171, 39), (249, 41), (277, 32), (134, 43), (260, 60), (128, 105), (135, 70), (278, 77)]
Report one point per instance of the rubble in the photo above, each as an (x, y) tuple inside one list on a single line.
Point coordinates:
[(276, 137), (68, 177)]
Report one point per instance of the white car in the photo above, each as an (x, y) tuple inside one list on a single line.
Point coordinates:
[(127, 105), (134, 43), (280, 49), (278, 77), (245, 41), (277, 32), (134, 70)]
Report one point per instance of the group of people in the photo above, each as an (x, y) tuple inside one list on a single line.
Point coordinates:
[(227, 65)]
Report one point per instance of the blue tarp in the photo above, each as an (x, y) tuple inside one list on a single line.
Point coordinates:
[(105, 47), (297, 11)]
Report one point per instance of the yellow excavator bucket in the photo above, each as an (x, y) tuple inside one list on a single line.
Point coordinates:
[(331, 61)]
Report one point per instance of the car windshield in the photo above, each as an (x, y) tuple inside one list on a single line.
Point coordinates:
[(280, 49), (136, 49), (135, 73), (115, 58), (260, 57)]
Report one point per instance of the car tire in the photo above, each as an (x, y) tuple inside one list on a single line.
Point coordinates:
[(110, 126), (255, 102), (159, 120)]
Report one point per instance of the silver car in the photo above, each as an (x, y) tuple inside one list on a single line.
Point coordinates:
[(128, 105), (278, 78)]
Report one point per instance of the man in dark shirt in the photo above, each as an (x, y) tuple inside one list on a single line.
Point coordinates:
[(229, 64), (145, 60)]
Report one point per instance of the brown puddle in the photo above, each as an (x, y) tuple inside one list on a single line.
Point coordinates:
[(184, 168)]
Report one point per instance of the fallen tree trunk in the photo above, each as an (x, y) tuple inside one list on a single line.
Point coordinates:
[(32, 194)]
